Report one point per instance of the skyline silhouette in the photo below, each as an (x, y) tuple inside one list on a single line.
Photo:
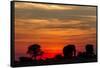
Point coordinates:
[(69, 56)]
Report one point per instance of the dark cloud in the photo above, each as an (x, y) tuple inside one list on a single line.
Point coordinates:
[(83, 25), (85, 14), (40, 13), (49, 14)]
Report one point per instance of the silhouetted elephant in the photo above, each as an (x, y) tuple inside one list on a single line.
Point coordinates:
[(69, 51), (34, 50), (89, 50)]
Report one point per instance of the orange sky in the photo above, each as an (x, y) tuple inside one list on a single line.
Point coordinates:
[(53, 27)]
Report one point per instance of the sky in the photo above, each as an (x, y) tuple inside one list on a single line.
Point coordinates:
[(53, 26)]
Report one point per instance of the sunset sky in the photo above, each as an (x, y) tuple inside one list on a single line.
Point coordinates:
[(53, 27)]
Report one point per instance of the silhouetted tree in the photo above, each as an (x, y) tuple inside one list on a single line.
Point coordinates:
[(69, 51), (34, 50)]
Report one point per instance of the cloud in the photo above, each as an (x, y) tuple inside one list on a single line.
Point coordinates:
[(54, 20), (48, 11), (33, 24), (19, 5), (51, 14)]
